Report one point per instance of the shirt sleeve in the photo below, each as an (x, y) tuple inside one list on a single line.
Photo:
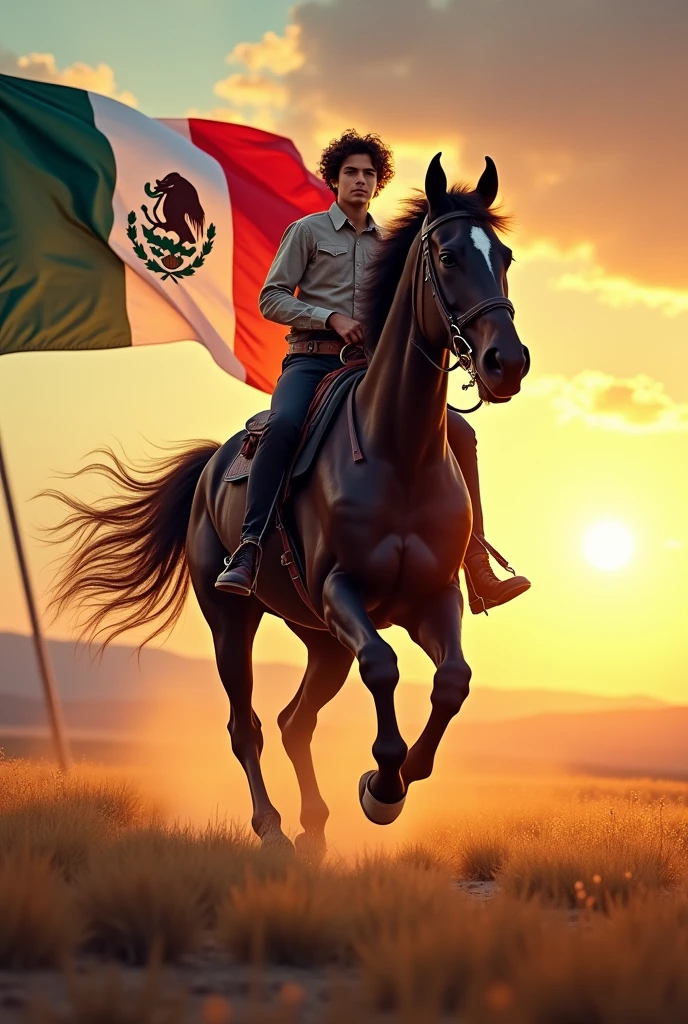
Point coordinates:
[(277, 300)]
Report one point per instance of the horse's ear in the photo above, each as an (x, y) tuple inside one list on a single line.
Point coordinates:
[(435, 182), (488, 186)]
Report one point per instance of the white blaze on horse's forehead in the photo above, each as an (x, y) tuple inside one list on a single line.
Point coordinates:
[(483, 244)]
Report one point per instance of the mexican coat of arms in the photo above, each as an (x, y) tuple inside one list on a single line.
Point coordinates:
[(177, 212)]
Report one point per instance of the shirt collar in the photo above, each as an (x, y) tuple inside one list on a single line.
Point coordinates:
[(339, 219)]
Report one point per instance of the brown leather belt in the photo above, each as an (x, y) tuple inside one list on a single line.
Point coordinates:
[(315, 347)]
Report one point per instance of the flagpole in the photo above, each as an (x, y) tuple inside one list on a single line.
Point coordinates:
[(50, 693)]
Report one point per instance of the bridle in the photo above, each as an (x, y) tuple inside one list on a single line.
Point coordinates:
[(455, 323)]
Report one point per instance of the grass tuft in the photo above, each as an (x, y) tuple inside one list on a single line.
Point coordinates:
[(65, 817), (37, 925), (481, 858), (135, 900), (298, 919)]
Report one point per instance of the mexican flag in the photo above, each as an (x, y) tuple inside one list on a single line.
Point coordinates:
[(117, 229)]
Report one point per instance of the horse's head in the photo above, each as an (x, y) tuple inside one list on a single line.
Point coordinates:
[(463, 294)]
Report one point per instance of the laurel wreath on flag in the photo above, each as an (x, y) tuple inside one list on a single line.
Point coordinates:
[(161, 246)]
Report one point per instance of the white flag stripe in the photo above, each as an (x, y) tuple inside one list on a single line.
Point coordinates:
[(167, 323), (146, 150), (179, 125), (164, 323)]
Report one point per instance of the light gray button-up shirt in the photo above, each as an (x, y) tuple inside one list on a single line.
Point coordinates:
[(324, 258)]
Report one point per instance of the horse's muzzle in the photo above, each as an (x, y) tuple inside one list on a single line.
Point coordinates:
[(501, 373)]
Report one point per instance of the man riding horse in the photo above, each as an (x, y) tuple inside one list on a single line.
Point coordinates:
[(383, 514), (325, 256)]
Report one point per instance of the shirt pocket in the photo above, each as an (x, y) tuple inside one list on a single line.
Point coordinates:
[(332, 249)]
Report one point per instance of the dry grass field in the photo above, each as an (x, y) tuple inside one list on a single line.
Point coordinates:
[(539, 901)]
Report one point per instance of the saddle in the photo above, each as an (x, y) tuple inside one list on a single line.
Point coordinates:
[(241, 464), (334, 389)]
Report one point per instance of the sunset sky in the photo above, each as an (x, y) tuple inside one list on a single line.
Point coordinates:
[(581, 103)]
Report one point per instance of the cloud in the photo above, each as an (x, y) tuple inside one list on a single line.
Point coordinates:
[(252, 90), (588, 277), (637, 405), (580, 103), (620, 292), (42, 67), (258, 93), (278, 54)]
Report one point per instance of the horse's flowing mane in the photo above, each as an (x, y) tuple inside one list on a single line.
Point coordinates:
[(387, 265)]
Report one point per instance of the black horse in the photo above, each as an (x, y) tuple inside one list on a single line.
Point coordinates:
[(383, 537)]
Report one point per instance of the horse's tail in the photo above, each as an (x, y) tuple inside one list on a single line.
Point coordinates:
[(126, 566)]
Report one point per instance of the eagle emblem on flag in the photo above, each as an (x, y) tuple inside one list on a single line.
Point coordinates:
[(177, 212)]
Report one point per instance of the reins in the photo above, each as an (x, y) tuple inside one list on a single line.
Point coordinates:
[(458, 344)]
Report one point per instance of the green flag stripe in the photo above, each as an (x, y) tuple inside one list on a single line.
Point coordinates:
[(61, 286)]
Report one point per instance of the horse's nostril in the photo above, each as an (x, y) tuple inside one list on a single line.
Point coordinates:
[(491, 361)]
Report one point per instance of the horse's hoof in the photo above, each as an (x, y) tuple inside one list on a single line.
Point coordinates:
[(375, 810), (311, 846), (272, 837)]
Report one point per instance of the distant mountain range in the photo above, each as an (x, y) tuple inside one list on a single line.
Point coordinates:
[(121, 696), (122, 676)]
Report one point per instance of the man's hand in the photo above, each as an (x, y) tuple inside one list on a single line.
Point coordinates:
[(350, 330)]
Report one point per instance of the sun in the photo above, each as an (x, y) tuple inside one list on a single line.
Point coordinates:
[(609, 545)]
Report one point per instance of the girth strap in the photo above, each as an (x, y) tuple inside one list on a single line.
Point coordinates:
[(289, 562), (351, 417)]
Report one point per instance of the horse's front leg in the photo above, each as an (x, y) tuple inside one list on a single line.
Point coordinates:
[(437, 629), (382, 792)]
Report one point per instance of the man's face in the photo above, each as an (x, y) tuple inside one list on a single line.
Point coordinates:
[(357, 180)]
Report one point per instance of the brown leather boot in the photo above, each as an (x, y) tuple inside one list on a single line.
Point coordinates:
[(241, 569), (485, 590)]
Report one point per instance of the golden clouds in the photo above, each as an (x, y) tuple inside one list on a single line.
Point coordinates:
[(252, 90), (278, 54), (620, 292), (43, 67), (580, 104), (583, 274), (258, 92), (634, 405)]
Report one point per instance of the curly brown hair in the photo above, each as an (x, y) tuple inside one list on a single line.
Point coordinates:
[(351, 142)]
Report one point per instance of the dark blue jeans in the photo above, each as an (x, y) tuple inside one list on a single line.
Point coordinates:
[(301, 375)]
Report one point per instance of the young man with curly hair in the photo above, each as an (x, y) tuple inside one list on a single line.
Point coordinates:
[(324, 256)]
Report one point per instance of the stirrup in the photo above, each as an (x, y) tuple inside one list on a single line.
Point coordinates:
[(242, 544)]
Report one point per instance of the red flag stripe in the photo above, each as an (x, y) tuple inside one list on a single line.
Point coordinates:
[(269, 187)]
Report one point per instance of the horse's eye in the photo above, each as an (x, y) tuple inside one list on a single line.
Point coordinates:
[(447, 259)]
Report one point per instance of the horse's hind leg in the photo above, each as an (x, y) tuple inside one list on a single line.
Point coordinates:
[(328, 666), (233, 640), (233, 621)]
